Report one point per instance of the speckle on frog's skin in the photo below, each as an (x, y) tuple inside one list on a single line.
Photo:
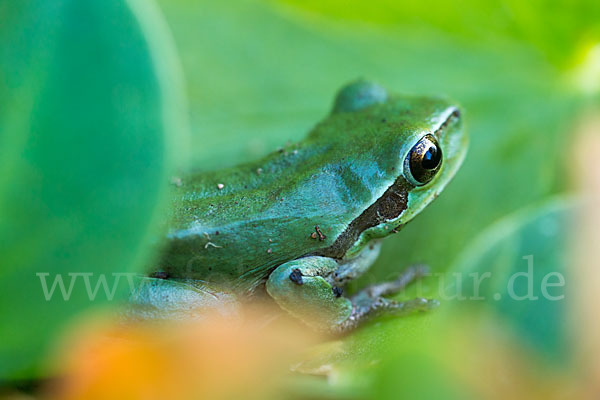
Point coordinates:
[(259, 171), (296, 276), (269, 250), (220, 186), (270, 240), (319, 233)]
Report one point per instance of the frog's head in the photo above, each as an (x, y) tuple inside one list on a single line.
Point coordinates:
[(425, 146)]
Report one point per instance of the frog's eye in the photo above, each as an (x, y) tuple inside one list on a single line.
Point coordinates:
[(423, 161)]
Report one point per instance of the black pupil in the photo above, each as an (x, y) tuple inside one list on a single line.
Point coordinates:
[(431, 158)]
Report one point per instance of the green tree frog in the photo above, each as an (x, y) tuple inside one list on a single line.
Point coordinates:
[(307, 219)]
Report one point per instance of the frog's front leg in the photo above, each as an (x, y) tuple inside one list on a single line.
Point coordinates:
[(307, 288), (301, 288), (409, 275)]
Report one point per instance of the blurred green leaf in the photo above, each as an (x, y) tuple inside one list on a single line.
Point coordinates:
[(517, 271), (91, 121), (555, 28)]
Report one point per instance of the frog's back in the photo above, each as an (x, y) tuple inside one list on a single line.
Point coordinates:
[(234, 226)]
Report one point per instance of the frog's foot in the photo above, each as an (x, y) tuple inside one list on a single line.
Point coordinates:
[(304, 288), (366, 307), (409, 275), (369, 302)]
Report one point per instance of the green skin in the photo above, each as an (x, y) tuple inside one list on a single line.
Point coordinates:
[(252, 226)]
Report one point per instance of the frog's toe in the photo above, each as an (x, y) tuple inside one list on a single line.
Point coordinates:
[(366, 308), (408, 276)]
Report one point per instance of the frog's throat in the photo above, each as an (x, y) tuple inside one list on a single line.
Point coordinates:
[(387, 208)]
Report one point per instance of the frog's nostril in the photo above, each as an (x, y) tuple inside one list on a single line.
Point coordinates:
[(452, 117)]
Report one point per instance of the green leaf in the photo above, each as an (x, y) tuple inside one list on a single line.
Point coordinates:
[(553, 27), (91, 118), (516, 272)]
